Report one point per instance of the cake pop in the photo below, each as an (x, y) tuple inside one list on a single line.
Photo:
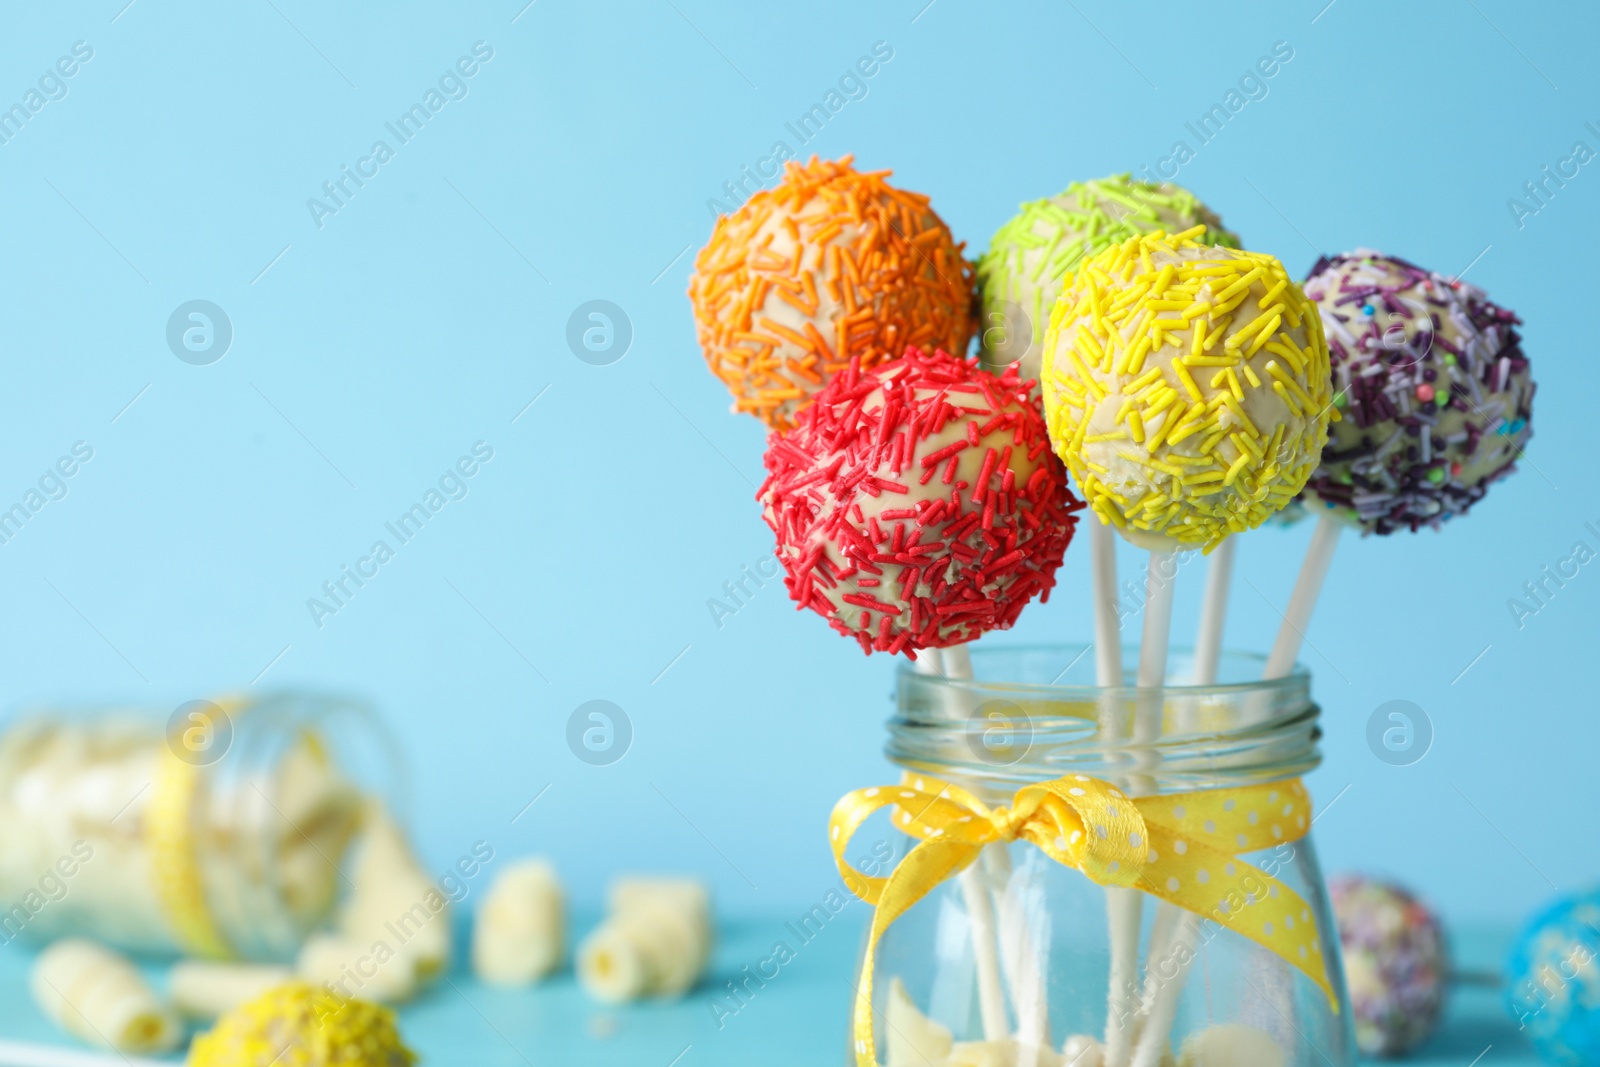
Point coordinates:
[(1186, 387), (1020, 276), (1434, 388), (831, 266), (1553, 980), (1395, 963), (917, 504), (1437, 399), (300, 1025)]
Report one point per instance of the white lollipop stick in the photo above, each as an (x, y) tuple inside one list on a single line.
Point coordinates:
[(1023, 970), (1122, 905), (1018, 955), (1125, 909), (1103, 575), (1304, 599), (1213, 614), (980, 911), (1127, 905), (1166, 922), (1018, 950), (1161, 991), (1159, 582), (1162, 1008)]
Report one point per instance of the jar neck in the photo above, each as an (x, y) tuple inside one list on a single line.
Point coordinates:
[(1027, 716), (280, 808)]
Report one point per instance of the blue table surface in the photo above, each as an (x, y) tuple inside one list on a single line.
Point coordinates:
[(800, 1017)]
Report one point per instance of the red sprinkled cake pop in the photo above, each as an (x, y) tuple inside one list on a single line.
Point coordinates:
[(918, 504)]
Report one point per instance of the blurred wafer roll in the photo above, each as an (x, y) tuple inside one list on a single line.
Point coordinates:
[(394, 901), (370, 970), (686, 894), (98, 997), (656, 942), (205, 989), (518, 934)]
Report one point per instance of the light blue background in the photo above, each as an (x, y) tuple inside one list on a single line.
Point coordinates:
[(432, 308)]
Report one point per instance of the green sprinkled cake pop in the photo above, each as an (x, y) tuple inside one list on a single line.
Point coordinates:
[(1019, 277)]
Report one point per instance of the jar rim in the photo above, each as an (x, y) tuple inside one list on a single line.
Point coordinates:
[(1298, 680), (1174, 738)]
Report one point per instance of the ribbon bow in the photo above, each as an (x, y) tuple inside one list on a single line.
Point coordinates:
[(1182, 848)]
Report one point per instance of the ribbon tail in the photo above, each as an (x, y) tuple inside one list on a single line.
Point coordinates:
[(1238, 896), (923, 869)]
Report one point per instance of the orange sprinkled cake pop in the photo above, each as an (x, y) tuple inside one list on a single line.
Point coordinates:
[(829, 266)]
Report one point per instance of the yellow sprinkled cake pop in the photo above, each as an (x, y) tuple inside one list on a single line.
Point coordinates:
[(299, 1025), (1187, 388)]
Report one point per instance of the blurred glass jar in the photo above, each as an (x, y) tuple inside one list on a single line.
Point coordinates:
[(217, 830), (1217, 997)]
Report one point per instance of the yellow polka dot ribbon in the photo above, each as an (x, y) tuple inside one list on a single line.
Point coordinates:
[(170, 834), (1182, 848)]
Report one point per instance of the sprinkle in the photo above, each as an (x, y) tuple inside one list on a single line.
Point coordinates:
[(299, 1023), (950, 558), (1033, 254), (893, 274), (1441, 355), (1182, 483)]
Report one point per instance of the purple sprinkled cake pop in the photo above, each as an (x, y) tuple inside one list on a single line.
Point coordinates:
[(1433, 387), (1395, 962)]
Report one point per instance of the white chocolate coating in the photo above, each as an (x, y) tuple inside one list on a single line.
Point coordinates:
[(917, 506), (1020, 276), (830, 266), (914, 1039), (1435, 389), (1000, 1053), (1081, 1050), (969, 465), (1187, 388), (1231, 1045)]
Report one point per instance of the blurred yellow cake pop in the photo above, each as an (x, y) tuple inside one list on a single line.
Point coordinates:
[(300, 1025)]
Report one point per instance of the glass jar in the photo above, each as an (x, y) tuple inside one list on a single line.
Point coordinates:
[(217, 830), (1022, 959)]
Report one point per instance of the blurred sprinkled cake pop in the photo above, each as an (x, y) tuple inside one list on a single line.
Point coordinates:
[(830, 266), (1186, 387), (1395, 962), (1553, 980), (917, 505), (300, 1025), (1434, 388), (1020, 276)]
